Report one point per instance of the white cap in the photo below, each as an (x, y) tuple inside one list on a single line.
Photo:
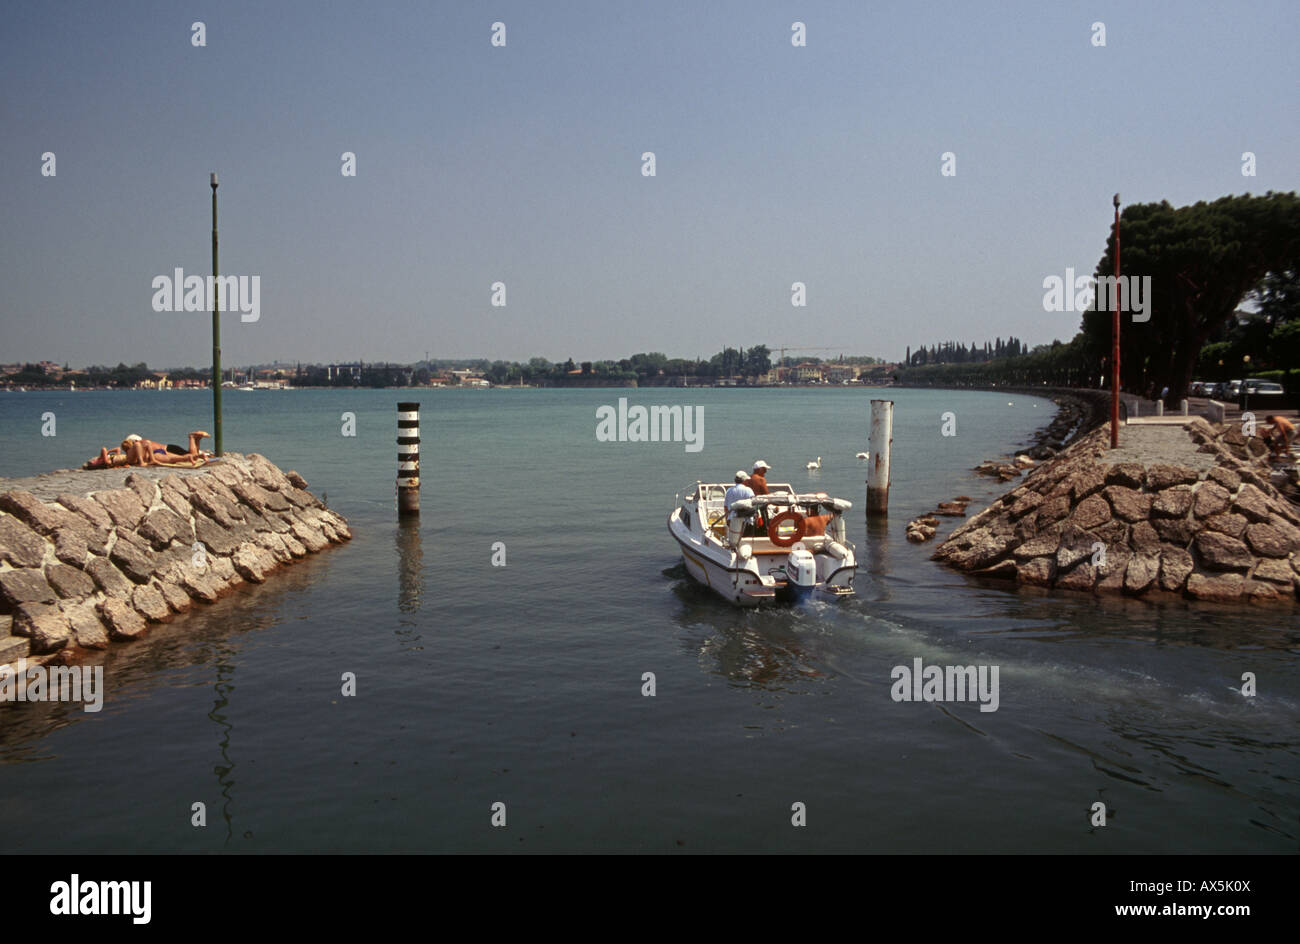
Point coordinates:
[(134, 437), (741, 476), (760, 464)]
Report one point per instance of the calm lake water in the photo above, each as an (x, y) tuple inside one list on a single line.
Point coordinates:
[(522, 684)]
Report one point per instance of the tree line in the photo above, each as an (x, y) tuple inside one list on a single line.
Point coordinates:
[(1204, 261), (952, 352)]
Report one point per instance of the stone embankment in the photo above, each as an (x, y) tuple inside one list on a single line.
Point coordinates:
[(1187, 510), (83, 562)]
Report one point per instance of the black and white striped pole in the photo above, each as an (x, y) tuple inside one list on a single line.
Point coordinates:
[(408, 459)]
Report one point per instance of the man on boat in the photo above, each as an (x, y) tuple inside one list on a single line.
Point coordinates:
[(737, 492), (758, 481)]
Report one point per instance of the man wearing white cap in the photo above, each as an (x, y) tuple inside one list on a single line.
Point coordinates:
[(758, 481), (737, 492)]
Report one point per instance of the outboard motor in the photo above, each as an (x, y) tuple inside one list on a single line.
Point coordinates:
[(800, 574)]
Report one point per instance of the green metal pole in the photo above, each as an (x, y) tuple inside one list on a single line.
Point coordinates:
[(216, 331)]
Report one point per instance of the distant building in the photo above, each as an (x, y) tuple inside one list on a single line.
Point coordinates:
[(841, 373), (808, 372)]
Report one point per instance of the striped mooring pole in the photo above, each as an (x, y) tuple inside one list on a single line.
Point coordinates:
[(408, 459)]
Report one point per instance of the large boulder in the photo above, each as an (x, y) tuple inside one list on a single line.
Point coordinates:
[(1112, 569), (1225, 477), (1143, 537), (176, 495), (1172, 503), (1082, 577), (1275, 571), (1176, 566), (149, 603), (69, 582), (217, 539), (70, 546), (178, 601), (88, 508), (1210, 499), (205, 497), (19, 544), (201, 585), (162, 526), (1176, 531), (1219, 588), (316, 541), (25, 585), (266, 474), (1161, 476), (1128, 503), (1037, 572), (1142, 571), (45, 625), (1267, 541), (1128, 475), (88, 630), (1233, 525), (132, 557), (145, 489), (259, 498), (123, 506), (107, 577), (122, 619), (253, 562), (1252, 503), (36, 514), (1220, 552)]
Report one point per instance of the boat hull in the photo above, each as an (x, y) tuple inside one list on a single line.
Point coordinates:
[(723, 572)]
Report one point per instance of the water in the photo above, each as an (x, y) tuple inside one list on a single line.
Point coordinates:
[(522, 684)]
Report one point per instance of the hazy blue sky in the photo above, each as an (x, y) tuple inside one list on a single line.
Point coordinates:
[(522, 164)]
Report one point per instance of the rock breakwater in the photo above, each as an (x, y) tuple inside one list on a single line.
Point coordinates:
[(88, 558), (1187, 510)]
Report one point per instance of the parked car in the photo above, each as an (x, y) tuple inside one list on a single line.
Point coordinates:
[(1199, 388), (1225, 390), (1263, 388)]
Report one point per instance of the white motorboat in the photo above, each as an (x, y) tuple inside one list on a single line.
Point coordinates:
[(780, 547)]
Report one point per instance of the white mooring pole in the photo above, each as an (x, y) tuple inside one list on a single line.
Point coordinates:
[(408, 459), (880, 441)]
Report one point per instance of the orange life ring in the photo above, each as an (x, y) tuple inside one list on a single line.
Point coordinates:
[(779, 526)]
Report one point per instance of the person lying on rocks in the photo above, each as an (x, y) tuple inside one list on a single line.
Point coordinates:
[(136, 450)]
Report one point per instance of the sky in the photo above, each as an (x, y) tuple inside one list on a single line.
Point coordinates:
[(522, 164)]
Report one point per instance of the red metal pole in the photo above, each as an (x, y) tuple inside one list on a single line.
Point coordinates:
[(1114, 354)]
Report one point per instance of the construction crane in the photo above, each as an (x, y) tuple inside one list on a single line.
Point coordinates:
[(784, 348)]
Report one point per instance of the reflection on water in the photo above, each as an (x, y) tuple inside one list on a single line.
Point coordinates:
[(873, 562), (224, 686), (410, 579), (410, 564), (164, 659), (762, 647)]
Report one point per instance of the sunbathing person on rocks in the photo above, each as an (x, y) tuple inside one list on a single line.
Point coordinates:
[(135, 450)]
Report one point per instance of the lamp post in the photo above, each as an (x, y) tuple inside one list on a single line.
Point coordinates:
[(1114, 332), (216, 331), (1245, 387)]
